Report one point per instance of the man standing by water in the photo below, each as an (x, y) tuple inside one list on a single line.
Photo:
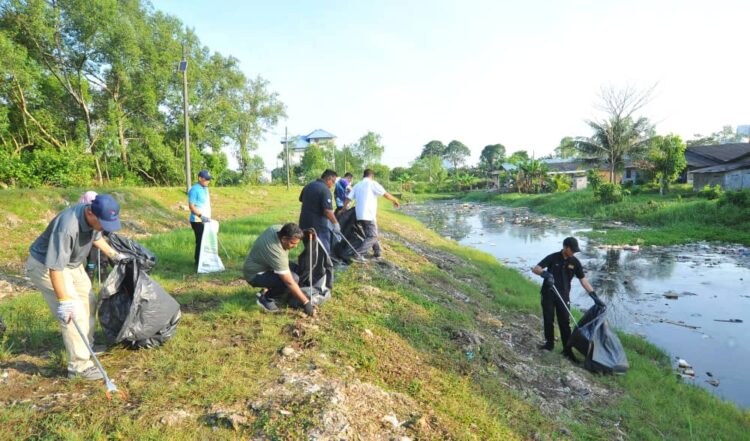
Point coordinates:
[(317, 208), (365, 194), (56, 267), (558, 270), (199, 203)]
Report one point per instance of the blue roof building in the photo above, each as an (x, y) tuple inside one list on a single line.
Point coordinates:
[(298, 144)]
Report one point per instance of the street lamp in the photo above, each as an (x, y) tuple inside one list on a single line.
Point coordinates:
[(183, 68)]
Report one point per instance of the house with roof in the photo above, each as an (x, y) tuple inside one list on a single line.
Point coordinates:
[(299, 143), (727, 165)]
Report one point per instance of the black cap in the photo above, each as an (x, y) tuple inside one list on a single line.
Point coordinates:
[(571, 243)]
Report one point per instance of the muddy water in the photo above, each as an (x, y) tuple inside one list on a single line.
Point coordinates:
[(673, 295)]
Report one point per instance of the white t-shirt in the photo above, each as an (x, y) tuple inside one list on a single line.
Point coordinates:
[(366, 193)]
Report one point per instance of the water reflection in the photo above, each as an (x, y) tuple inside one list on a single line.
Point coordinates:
[(705, 283)]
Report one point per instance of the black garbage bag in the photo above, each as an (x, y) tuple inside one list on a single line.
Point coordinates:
[(351, 231), (135, 310), (594, 338), (315, 270)]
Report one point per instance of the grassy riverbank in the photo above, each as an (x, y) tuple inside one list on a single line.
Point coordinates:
[(677, 217), (438, 336)]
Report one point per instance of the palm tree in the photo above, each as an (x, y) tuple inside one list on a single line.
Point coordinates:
[(614, 140)]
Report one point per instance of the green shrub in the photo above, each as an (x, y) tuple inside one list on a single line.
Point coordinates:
[(711, 193), (609, 193), (737, 198), (594, 180)]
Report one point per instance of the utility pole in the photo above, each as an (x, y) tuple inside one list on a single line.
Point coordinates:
[(183, 69), (286, 145)]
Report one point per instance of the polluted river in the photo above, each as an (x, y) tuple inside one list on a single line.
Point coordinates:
[(692, 301)]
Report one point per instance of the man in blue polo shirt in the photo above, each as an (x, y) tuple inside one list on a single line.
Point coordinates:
[(56, 268), (199, 203)]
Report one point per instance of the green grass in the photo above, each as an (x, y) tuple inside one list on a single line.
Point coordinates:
[(226, 351), (675, 218)]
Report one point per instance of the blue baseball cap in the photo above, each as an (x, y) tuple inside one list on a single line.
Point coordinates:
[(107, 210), (204, 174)]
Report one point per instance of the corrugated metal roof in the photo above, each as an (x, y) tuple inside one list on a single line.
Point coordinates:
[(721, 152), (723, 167), (319, 134), (694, 160)]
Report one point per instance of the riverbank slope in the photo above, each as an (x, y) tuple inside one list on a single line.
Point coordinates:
[(676, 218), (436, 341)]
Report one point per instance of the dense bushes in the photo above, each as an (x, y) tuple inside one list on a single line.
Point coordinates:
[(609, 193), (711, 193), (736, 198)]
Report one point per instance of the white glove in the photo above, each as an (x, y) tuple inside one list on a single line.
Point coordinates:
[(205, 219), (337, 228), (65, 310)]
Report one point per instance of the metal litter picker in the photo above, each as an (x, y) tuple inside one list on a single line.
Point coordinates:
[(110, 385)]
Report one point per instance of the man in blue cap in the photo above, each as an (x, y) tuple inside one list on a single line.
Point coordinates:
[(56, 267), (199, 203)]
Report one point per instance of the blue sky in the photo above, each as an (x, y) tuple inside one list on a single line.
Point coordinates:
[(524, 74)]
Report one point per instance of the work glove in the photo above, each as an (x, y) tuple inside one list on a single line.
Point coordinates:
[(548, 278), (596, 299), (120, 258), (205, 219), (309, 309), (337, 228), (65, 310)]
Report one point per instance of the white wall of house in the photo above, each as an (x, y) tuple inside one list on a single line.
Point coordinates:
[(737, 180)]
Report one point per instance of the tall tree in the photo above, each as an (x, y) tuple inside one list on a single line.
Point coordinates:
[(370, 148), (667, 156), (456, 153), (620, 133), (567, 148), (725, 136), (518, 157), (491, 157), (429, 169), (433, 148), (258, 110), (313, 162)]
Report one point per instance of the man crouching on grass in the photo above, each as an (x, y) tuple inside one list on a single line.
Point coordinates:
[(267, 266)]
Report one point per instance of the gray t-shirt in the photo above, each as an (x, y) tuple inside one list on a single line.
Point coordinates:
[(267, 254), (67, 241)]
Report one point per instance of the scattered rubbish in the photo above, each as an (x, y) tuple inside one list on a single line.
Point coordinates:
[(684, 325), (689, 372), (728, 320), (683, 364), (392, 420), (287, 351), (369, 333), (713, 383), (469, 355), (631, 248), (671, 295), (709, 374)]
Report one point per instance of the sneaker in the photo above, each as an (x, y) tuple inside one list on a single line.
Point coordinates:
[(90, 373), (545, 347), (358, 259), (266, 304)]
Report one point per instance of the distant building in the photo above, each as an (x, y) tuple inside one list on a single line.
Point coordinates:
[(720, 164), (299, 143)]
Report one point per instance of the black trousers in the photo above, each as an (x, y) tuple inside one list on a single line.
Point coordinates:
[(198, 231), (276, 287), (551, 304)]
